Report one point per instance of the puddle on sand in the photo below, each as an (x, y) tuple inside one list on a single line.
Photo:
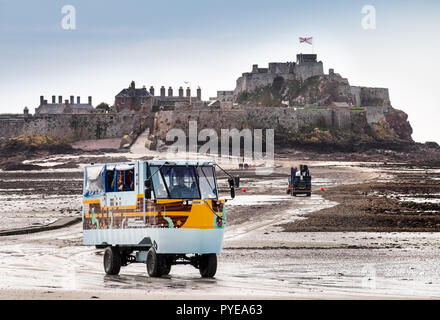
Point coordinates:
[(253, 200), (417, 198)]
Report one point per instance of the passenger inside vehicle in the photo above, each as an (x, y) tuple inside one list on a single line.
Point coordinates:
[(110, 177), (122, 181)]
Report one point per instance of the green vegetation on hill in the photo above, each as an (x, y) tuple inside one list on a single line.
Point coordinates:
[(319, 90), (33, 143), (103, 106), (269, 96)]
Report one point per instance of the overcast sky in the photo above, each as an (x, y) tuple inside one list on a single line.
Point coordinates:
[(210, 43)]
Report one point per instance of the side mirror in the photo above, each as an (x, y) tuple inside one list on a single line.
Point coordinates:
[(147, 184), (237, 182), (148, 194), (234, 182)]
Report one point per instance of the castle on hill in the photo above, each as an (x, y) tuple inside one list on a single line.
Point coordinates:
[(141, 100)]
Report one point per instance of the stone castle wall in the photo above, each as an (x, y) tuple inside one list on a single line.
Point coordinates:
[(364, 96), (74, 127), (304, 71), (282, 120), (249, 81), (375, 114)]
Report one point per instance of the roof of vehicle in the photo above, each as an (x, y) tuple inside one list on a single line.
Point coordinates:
[(160, 163), (181, 162)]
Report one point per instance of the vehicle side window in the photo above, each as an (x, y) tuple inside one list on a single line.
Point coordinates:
[(119, 180)]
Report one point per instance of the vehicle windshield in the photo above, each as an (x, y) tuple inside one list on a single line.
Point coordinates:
[(184, 182)]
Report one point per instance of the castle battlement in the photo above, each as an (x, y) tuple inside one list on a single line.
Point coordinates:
[(306, 66)]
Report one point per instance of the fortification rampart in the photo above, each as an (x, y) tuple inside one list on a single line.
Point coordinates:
[(283, 120), (75, 127)]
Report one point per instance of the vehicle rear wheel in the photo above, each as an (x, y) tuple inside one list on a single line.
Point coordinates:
[(309, 194), (154, 263), (208, 265), (112, 260)]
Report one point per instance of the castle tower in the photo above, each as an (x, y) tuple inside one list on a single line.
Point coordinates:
[(26, 113), (152, 90), (188, 92), (162, 91), (181, 92), (170, 92), (60, 99), (53, 99), (199, 93)]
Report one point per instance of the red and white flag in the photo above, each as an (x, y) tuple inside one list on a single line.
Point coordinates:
[(306, 40)]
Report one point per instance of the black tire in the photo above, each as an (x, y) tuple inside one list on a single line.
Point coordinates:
[(309, 194), (112, 261), (154, 263), (208, 265), (166, 268)]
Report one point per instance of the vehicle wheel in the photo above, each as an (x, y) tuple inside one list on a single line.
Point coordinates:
[(166, 268), (112, 260), (294, 194), (208, 265), (309, 194), (154, 263)]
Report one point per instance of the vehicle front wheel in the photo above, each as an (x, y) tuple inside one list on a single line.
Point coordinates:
[(208, 265), (112, 260), (166, 268), (154, 263)]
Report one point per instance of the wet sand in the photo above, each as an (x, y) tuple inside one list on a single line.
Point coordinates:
[(408, 200), (259, 260)]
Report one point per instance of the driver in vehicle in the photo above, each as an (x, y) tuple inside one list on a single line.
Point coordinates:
[(180, 190)]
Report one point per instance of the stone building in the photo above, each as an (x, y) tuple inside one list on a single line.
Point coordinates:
[(224, 99), (183, 99), (68, 106), (134, 99)]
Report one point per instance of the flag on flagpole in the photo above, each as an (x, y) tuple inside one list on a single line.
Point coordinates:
[(306, 40)]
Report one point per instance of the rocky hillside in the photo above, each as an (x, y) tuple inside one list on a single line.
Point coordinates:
[(320, 92), (14, 150)]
